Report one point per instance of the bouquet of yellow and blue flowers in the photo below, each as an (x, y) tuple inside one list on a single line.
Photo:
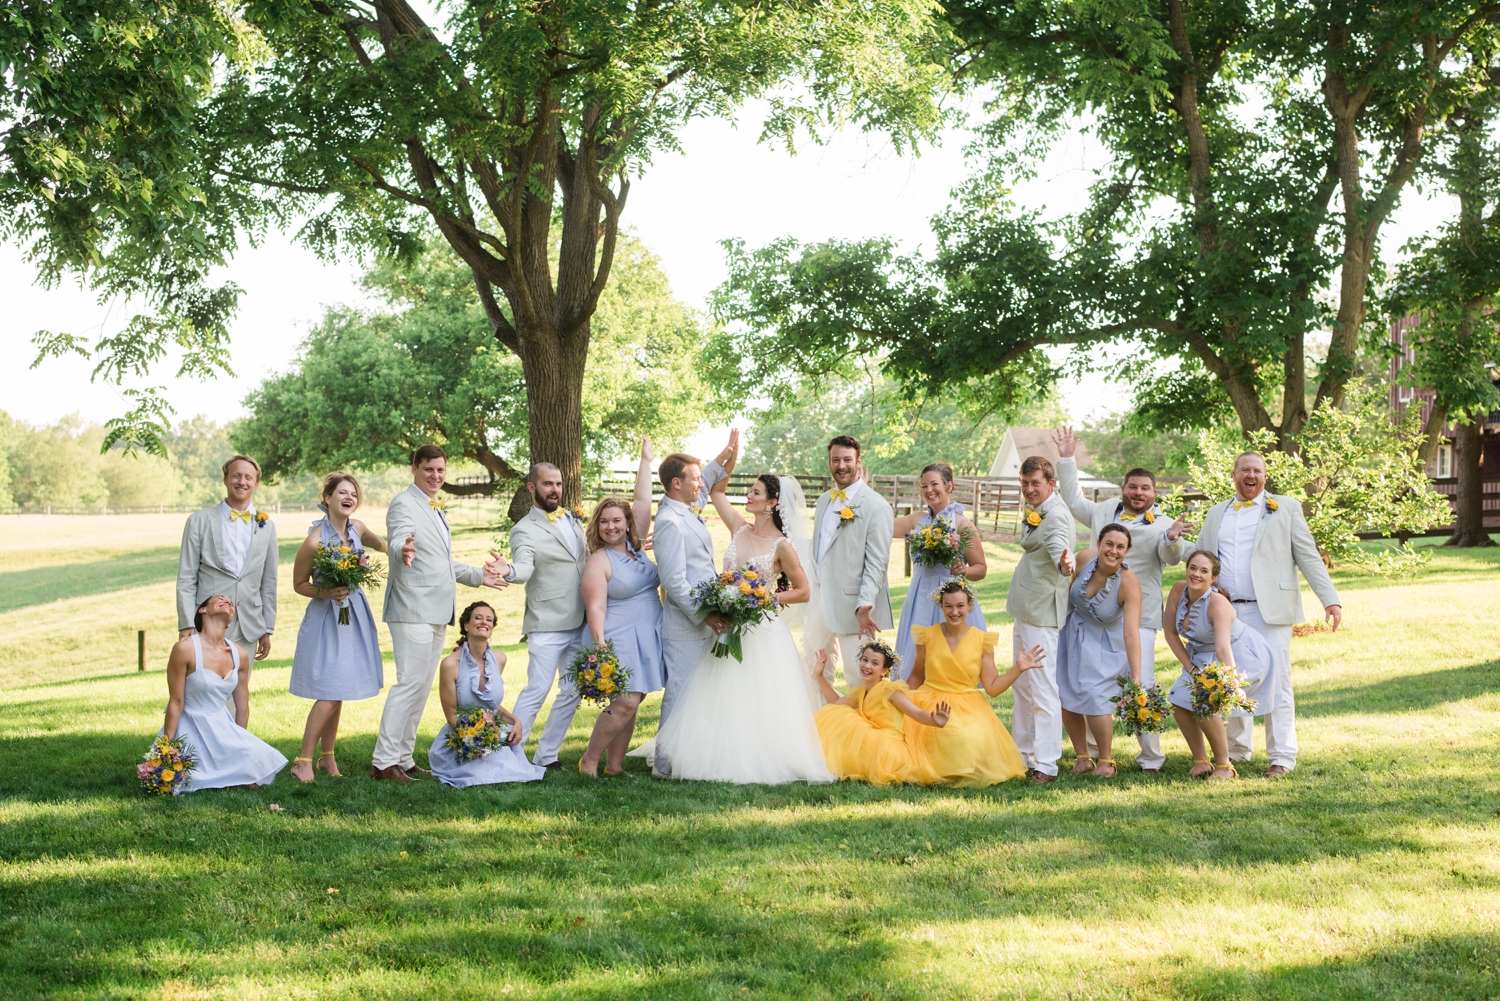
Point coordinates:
[(1217, 692), (340, 566), (939, 543), (1142, 710), (166, 767), (598, 674), (742, 597), (475, 733)]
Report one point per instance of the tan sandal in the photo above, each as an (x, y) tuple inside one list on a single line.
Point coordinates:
[(296, 762), (1113, 771), (335, 773), (1214, 775), (1083, 765), (1195, 773)]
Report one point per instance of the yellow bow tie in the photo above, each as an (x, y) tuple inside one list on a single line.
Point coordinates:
[(438, 503), (246, 515), (839, 495), (1240, 504), (552, 516)]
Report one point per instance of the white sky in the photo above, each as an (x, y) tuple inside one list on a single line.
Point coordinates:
[(723, 185)]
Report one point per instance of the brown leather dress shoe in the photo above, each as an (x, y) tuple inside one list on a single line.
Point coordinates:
[(417, 771), (1277, 771), (391, 774), (1042, 778)]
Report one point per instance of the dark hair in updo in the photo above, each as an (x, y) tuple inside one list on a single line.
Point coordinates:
[(1114, 526), (941, 468), (463, 621), (772, 483)]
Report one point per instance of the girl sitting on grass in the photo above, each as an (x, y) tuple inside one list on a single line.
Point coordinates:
[(863, 733), (953, 660)]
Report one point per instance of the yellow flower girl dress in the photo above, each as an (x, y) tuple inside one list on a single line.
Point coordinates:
[(974, 749), (867, 740)]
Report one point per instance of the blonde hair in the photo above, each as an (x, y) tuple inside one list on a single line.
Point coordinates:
[(591, 533), (331, 483), (241, 458)]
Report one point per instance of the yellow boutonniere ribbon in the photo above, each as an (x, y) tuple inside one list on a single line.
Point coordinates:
[(1033, 517)]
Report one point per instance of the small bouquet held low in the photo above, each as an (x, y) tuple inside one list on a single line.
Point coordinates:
[(741, 597), (165, 768), (1142, 710), (940, 543), (340, 566), (598, 674), (1217, 692), (475, 733)]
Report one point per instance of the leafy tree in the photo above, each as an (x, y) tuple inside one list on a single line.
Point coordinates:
[(362, 119), (1452, 280), (1256, 149), (1357, 472), (370, 387), (1116, 445)]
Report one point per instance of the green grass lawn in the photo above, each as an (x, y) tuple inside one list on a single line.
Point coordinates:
[(1374, 872)]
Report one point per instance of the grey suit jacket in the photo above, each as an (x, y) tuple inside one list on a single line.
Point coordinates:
[(1150, 551), (423, 592), (1283, 545), (1038, 590), (201, 574), (684, 557), (553, 576), (854, 572)]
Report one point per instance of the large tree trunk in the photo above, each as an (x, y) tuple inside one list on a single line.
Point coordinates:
[(1468, 521), (554, 401)]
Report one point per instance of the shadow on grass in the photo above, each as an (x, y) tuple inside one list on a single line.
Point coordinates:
[(1407, 693)]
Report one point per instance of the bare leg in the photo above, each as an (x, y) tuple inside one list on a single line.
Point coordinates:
[(317, 719), (619, 714), (1192, 732), (1218, 739), (328, 735), (614, 757), (1077, 726), (1103, 730)]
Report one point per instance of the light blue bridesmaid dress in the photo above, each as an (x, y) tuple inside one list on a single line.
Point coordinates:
[(228, 754), (919, 609), (503, 764), (1254, 663), (632, 619), (334, 662), (1091, 647)]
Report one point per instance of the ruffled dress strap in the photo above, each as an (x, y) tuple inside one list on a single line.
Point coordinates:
[(987, 645)]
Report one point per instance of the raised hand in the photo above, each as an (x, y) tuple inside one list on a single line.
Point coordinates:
[(646, 452), (1030, 660), (1065, 565), (940, 714), (731, 453), (409, 550), (1179, 528), (1066, 442), (820, 661)]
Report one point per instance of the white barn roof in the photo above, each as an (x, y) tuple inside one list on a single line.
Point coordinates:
[(1019, 443)]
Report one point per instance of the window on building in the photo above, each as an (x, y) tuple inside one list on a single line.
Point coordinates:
[(1444, 461)]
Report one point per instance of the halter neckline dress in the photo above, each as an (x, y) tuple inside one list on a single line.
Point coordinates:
[(918, 610), (503, 764), (228, 754), (1254, 662), (334, 662), (1091, 646)]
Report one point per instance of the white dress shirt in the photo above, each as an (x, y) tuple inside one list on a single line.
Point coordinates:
[(1237, 545), (570, 537), (831, 519), (237, 536)]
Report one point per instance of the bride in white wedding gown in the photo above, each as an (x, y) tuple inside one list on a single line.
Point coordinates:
[(753, 721)]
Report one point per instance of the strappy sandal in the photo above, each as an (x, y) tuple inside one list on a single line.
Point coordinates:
[(1080, 760), (1196, 763), (295, 761), (329, 754), (1105, 761), (1214, 775)]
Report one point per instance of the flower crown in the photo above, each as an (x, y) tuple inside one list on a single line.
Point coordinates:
[(892, 658), (948, 588)]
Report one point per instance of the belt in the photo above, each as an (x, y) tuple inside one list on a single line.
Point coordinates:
[(1242, 601)]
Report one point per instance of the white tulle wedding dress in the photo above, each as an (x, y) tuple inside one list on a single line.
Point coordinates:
[(749, 722)]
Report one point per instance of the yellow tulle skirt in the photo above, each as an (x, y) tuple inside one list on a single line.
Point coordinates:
[(974, 749), (855, 748)]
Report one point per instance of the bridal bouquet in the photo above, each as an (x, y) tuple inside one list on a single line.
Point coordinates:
[(166, 767), (741, 597), (598, 674), (1142, 710), (1217, 692), (340, 566), (938, 544), (475, 733)]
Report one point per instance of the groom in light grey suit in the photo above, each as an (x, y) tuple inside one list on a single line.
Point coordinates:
[(230, 549), (684, 557), (548, 552), (852, 531), (1262, 540), (419, 600)]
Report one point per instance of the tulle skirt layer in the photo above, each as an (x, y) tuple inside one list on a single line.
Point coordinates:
[(974, 749), (855, 748)]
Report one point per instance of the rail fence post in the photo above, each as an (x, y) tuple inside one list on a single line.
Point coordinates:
[(140, 649)]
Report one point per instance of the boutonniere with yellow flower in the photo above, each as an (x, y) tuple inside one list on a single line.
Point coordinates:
[(1271, 504), (577, 513), (261, 518), (1033, 518), (846, 515)]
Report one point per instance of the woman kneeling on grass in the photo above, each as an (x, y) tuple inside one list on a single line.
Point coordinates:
[(1202, 628), (864, 733), (203, 672)]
